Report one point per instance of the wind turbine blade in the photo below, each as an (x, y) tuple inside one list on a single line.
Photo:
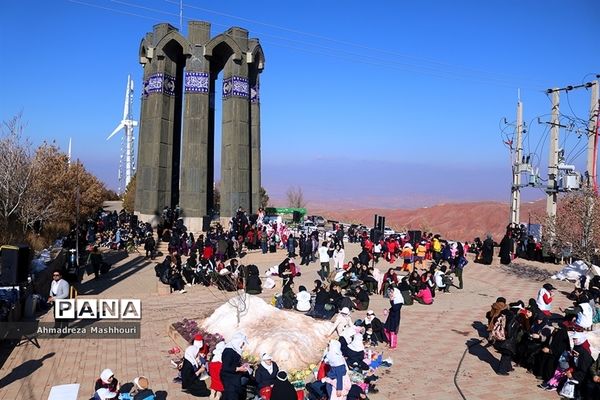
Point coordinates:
[(117, 129), (126, 106)]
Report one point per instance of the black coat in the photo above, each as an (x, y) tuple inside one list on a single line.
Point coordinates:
[(392, 323), (191, 382), (263, 378), (253, 284), (506, 246), (232, 380), (144, 394), (283, 390), (487, 251)]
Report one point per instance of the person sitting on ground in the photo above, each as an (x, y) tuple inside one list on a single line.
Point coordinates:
[(342, 322), (390, 279), (375, 325), (366, 276), (356, 353), (492, 315), (175, 279), (302, 299), (574, 365), (266, 374), (362, 300), (423, 296), (285, 271), (104, 394), (442, 280), (107, 380), (581, 316), (533, 341), (321, 297), (141, 390), (253, 282), (288, 297), (283, 388), (592, 387), (404, 288), (545, 297), (191, 371)]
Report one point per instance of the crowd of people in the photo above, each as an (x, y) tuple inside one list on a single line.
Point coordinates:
[(418, 270), (551, 346)]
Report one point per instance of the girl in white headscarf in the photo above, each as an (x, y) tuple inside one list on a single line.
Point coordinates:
[(191, 371), (266, 373), (337, 380), (356, 353), (107, 380), (232, 369), (214, 370), (392, 323), (346, 338)]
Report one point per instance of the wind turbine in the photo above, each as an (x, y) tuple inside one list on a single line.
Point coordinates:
[(127, 124)]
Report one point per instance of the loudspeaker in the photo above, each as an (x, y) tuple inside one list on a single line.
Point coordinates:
[(14, 264), (133, 221), (375, 235), (206, 223), (296, 216), (381, 223), (415, 237)]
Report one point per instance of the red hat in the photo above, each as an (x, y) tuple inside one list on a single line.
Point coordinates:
[(198, 337)]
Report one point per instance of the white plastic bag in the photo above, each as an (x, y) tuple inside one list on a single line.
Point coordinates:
[(568, 389)]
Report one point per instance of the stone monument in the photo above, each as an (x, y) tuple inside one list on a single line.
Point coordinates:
[(177, 123)]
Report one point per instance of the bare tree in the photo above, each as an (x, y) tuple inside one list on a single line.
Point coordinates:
[(577, 224), (264, 198), (295, 197), (15, 167)]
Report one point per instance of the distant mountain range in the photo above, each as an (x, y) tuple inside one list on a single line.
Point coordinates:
[(458, 221)]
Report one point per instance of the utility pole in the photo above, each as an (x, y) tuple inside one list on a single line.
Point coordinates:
[(592, 133), (515, 204), (552, 188)]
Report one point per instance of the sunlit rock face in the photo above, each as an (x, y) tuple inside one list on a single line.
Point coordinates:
[(293, 339)]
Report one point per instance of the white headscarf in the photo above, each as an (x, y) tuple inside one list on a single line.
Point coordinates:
[(357, 344), (398, 299), (107, 373), (266, 366), (348, 334), (218, 352), (236, 342), (334, 355), (105, 394), (190, 354), (370, 317)]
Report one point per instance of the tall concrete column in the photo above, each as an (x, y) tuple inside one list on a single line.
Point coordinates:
[(235, 149), (198, 144), (255, 182), (160, 127)]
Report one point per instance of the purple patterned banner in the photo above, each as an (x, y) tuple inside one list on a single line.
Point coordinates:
[(154, 84), (235, 86), (254, 94), (227, 87), (240, 86), (169, 85), (196, 82)]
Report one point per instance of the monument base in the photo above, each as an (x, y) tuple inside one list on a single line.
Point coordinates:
[(194, 224), (154, 220)]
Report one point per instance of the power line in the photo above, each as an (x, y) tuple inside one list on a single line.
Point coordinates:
[(332, 52), (334, 40)]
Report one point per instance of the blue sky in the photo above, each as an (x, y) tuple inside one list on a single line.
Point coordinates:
[(383, 102)]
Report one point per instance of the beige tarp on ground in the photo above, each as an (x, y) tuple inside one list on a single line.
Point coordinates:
[(293, 339)]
